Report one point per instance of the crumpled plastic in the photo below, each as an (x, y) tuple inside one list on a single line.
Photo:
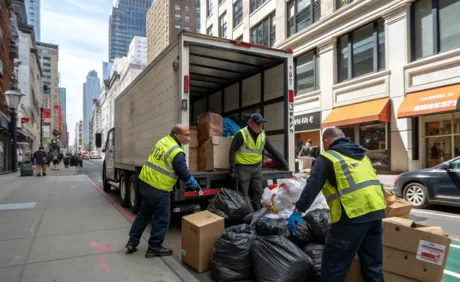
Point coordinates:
[(276, 259), (302, 236), (319, 222), (315, 252), (281, 199), (231, 256), (266, 226), (232, 204)]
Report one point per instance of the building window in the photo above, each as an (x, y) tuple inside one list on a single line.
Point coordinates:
[(237, 12), (197, 20), (209, 30), (187, 28), (197, 30), (301, 14), (256, 4), (177, 7), (198, 1), (187, 8), (187, 19), (305, 73), (178, 17), (223, 25), (264, 33), (361, 51), (209, 8), (177, 27), (197, 10), (239, 38), (435, 27), (341, 3)]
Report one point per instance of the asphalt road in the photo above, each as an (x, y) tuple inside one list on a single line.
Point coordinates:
[(446, 217)]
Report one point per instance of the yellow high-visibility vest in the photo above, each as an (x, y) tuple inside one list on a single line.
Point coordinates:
[(250, 152), (358, 189), (158, 171)]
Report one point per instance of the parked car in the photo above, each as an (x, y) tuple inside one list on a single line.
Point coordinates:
[(438, 185), (84, 155), (95, 155)]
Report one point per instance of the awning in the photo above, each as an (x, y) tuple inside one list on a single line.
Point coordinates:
[(433, 101), (376, 110)]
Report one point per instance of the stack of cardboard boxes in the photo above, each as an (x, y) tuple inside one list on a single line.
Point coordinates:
[(193, 150)]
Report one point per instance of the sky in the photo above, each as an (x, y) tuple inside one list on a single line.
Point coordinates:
[(81, 29)]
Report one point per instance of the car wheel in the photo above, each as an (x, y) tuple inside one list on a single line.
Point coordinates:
[(124, 193), (134, 196), (106, 186), (417, 195)]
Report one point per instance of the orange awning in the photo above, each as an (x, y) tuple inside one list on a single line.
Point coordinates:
[(376, 110), (439, 100)]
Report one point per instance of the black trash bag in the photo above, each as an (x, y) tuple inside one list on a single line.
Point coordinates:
[(231, 256), (315, 252), (302, 236), (276, 259), (232, 203), (217, 212), (248, 219), (319, 221), (266, 226)]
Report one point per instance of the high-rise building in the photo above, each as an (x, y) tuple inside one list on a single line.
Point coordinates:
[(106, 70), (166, 18), (63, 94), (127, 19), (137, 53), (33, 16), (78, 136), (49, 57), (91, 91)]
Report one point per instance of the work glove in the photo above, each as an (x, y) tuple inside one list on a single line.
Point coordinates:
[(191, 183), (232, 174), (294, 219)]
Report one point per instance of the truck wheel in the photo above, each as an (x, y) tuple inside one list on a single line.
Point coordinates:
[(124, 193), (134, 196), (106, 186)]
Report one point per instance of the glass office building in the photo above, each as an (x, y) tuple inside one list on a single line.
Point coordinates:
[(127, 19)]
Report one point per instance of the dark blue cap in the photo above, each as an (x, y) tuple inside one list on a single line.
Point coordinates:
[(257, 118)]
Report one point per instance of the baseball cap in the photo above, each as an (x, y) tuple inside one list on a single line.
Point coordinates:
[(257, 118)]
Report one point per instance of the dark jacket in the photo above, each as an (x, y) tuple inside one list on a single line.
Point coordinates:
[(40, 157), (323, 170), (179, 164), (238, 141)]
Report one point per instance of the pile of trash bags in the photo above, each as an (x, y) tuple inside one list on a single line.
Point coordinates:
[(258, 246)]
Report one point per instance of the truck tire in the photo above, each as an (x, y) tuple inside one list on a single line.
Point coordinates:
[(106, 186), (134, 195), (124, 193)]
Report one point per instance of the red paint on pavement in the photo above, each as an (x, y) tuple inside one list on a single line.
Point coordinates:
[(121, 209), (101, 249)]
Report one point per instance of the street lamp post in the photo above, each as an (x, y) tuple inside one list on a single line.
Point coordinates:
[(13, 98)]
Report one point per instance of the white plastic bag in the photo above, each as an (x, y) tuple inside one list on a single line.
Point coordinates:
[(319, 203)]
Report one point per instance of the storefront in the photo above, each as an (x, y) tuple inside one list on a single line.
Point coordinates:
[(307, 127), (439, 122), (366, 123)]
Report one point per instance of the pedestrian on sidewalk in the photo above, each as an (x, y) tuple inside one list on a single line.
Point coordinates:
[(356, 199), (165, 165), (40, 161)]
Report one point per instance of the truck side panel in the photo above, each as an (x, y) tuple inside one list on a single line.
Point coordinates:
[(147, 110)]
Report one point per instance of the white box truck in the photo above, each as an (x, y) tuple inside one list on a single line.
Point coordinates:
[(195, 74)]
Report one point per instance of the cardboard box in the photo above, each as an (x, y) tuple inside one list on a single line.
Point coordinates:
[(354, 275), (209, 124), (400, 208), (202, 158), (217, 153), (199, 233), (194, 137), (193, 159)]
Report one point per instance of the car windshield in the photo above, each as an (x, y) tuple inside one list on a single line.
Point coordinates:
[(446, 163)]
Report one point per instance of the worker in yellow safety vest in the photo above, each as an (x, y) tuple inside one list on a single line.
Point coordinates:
[(357, 205), (165, 165), (246, 154)]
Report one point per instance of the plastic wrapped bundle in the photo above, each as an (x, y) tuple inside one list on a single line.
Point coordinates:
[(276, 259), (319, 222), (231, 256), (266, 226), (231, 203), (315, 252), (302, 236)]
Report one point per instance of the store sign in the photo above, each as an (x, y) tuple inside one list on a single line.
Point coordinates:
[(307, 122)]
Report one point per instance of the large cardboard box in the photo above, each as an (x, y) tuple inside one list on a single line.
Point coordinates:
[(400, 208), (202, 158), (199, 234), (193, 159), (217, 153), (209, 124), (354, 275), (194, 143)]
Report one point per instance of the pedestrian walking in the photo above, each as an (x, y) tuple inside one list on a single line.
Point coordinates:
[(356, 199), (165, 165), (39, 159)]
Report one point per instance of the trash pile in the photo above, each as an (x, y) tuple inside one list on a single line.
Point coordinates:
[(257, 245)]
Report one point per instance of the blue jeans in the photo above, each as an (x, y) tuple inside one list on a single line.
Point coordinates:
[(344, 241), (154, 202)]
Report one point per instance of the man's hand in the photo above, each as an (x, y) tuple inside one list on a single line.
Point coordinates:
[(191, 183), (294, 219), (232, 174)]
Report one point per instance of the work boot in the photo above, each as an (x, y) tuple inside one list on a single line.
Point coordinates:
[(38, 174), (44, 174), (157, 251), (131, 246)]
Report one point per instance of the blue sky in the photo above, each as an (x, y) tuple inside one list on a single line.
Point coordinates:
[(80, 28)]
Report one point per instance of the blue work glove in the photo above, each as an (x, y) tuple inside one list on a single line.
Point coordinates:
[(294, 219), (191, 183)]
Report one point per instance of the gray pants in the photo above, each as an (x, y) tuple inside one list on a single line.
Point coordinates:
[(250, 183)]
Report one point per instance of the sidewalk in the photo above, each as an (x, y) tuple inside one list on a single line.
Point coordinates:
[(60, 228), (388, 180)]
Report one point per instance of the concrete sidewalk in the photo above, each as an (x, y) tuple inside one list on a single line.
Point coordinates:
[(60, 228), (388, 180)]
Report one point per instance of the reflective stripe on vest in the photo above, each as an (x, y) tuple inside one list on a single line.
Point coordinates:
[(249, 153), (166, 163)]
